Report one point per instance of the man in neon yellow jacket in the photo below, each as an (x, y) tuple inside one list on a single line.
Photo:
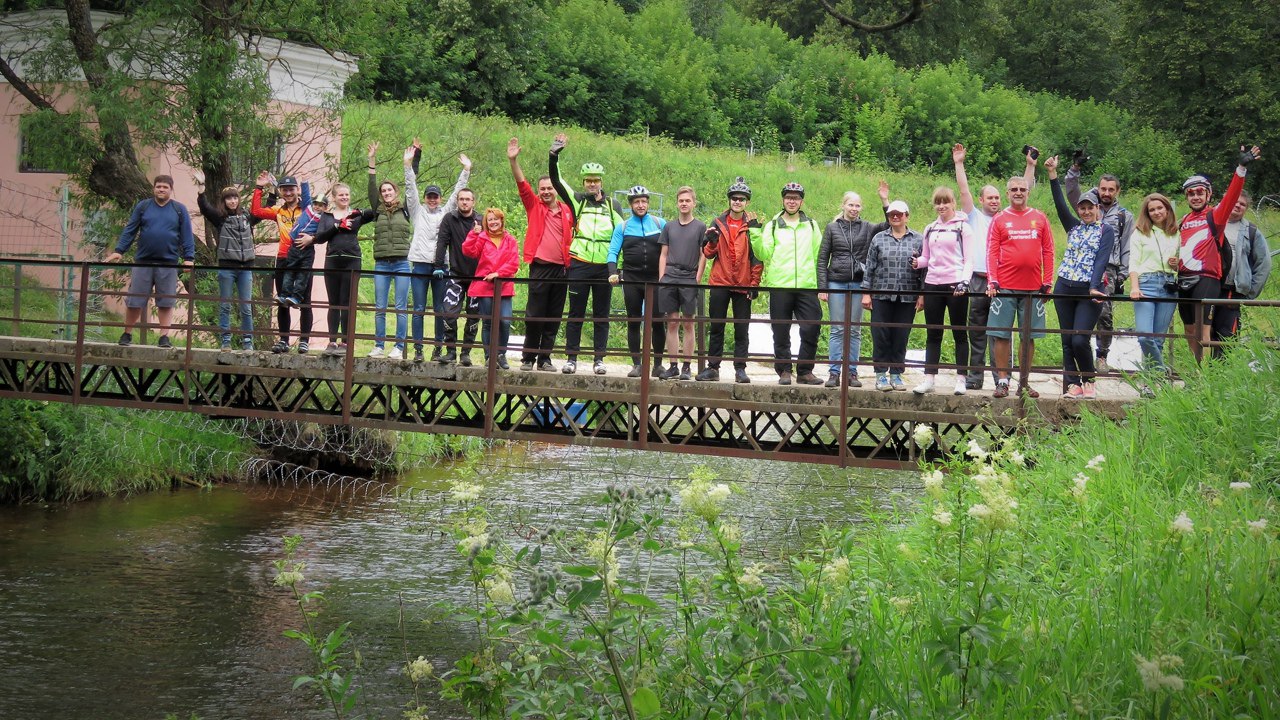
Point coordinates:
[(788, 245)]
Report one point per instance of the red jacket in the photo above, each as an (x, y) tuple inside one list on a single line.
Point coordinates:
[(733, 262), (537, 213), (503, 259)]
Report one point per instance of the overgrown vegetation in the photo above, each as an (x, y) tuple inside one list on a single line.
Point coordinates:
[(1105, 571)]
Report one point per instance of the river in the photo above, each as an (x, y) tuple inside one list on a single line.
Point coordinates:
[(165, 603)]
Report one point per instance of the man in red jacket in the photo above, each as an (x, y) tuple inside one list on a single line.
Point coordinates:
[(735, 273), (546, 252), (1019, 262)]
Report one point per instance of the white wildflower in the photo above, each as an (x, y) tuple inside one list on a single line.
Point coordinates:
[(836, 573), (704, 499), (473, 544), (1079, 486), (1240, 486), (598, 549), (923, 435), (980, 512), (1157, 673), (975, 451), (1182, 524), (420, 669), (1258, 528), (500, 591), (1096, 462), (719, 493), (1018, 458), (902, 604), (465, 492), (942, 517), (752, 576), (933, 483), (907, 551), (288, 578)]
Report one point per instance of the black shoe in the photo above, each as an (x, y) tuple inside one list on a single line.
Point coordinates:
[(502, 363), (656, 370), (448, 357), (546, 366), (973, 384), (833, 380), (164, 342), (670, 373), (465, 359), (303, 347), (281, 347), (417, 355), (784, 378), (435, 354), (635, 371), (126, 339), (854, 381), (709, 375), (741, 376), (684, 372), (808, 379)]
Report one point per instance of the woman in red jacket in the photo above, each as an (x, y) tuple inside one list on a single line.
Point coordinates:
[(498, 256)]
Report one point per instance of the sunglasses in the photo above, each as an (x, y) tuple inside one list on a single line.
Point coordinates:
[(737, 199), (896, 214), (1017, 190)]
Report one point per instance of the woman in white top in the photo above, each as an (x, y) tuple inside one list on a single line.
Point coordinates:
[(1153, 262)]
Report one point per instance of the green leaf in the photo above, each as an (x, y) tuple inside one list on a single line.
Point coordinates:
[(638, 599), (651, 545), (582, 571), (645, 701), (302, 680), (589, 591)]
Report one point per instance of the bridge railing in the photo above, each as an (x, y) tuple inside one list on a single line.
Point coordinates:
[(88, 306)]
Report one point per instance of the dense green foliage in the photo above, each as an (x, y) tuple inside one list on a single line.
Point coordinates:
[(1112, 570), (710, 74)]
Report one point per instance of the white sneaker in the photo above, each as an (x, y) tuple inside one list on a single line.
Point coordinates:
[(377, 352), (924, 387), (395, 354), (961, 388)]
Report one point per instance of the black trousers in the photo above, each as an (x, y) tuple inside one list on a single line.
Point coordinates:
[(979, 309), (935, 306), (547, 291), (802, 305), (338, 275), (588, 282), (1225, 323), (1105, 326), (633, 296), (282, 312), (719, 302), (1077, 311), (471, 310), (889, 344)]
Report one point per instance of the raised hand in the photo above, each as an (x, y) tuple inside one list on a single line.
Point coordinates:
[(558, 143), (1051, 166), (958, 154), (417, 144), (373, 152), (264, 179), (1248, 156), (466, 161), (408, 154), (883, 191), (513, 149)]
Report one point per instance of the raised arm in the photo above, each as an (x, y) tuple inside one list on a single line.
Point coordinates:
[(209, 212), (256, 207), (1072, 183), (1065, 215), (374, 201), (553, 169), (411, 199), (513, 157), (1222, 212), (464, 177), (958, 155), (1030, 172)]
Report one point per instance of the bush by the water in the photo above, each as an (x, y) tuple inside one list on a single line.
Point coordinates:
[(1110, 570)]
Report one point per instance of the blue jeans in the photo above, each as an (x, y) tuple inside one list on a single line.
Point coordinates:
[(241, 281), (423, 281), (1153, 317), (839, 346), (381, 286), (485, 310)]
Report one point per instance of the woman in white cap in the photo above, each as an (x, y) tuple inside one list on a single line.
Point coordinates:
[(891, 288)]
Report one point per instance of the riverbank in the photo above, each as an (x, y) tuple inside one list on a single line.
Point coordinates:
[(1106, 570)]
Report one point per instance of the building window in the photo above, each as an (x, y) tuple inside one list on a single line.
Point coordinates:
[(267, 152), (48, 143)]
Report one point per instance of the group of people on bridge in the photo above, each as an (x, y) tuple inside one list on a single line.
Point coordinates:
[(984, 262)]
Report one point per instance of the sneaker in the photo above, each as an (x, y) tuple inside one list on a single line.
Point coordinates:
[(246, 349), (685, 372), (854, 381), (448, 357), (599, 367), (417, 355), (1002, 389), (395, 354), (295, 301), (740, 376), (670, 373), (126, 339), (635, 372), (526, 366), (465, 359), (546, 366), (1146, 392), (896, 382), (1090, 391), (1073, 392), (924, 387), (570, 367), (164, 342), (376, 352), (784, 378), (1029, 391), (303, 347), (1101, 364), (656, 370), (709, 375), (333, 350), (226, 346), (435, 353), (281, 347), (961, 386), (282, 300), (833, 380), (502, 363), (808, 379), (882, 383), (973, 384)]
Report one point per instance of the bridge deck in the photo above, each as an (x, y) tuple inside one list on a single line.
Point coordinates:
[(801, 423)]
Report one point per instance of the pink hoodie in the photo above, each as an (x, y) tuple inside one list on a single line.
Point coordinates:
[(948, 252)]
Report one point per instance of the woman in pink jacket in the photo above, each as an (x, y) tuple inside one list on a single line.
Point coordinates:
[(947, 259), (498, 256)]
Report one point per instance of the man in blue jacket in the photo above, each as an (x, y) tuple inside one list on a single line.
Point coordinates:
[(162, 228)]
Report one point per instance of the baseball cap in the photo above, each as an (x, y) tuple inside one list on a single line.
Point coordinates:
[(899, 206), (432, 190), (287, 181), (1089, 197)]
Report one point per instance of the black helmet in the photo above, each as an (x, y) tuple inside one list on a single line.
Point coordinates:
[(793, 187), (739, 187)]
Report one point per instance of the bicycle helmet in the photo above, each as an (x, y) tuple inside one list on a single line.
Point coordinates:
[(793, 187), (592, 169), (639, 191), (1196, 181), (739, 187)]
